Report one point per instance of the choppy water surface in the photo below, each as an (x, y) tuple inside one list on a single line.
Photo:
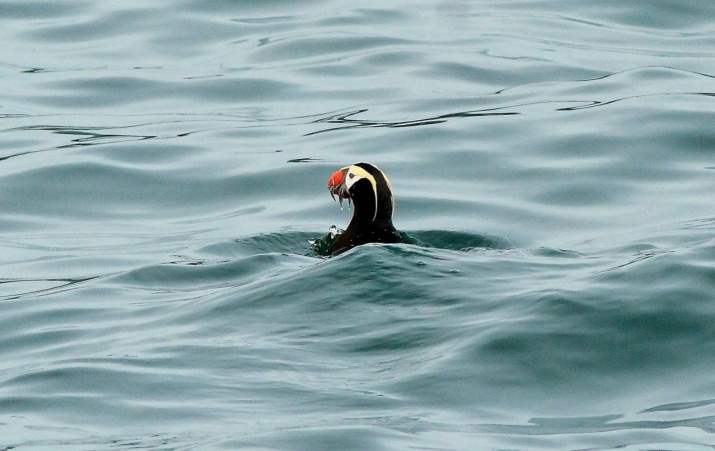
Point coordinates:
[(163, 166)]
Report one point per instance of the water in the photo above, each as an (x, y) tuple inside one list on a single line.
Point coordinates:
[(163, 166)]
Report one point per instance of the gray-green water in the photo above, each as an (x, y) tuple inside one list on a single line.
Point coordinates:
[(163, 166)]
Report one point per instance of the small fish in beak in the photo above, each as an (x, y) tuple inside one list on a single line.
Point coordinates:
[(336, 186)]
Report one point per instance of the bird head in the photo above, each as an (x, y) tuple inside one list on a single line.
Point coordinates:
[(364, 184)]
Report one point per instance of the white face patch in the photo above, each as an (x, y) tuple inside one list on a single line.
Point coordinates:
[(356, 173)]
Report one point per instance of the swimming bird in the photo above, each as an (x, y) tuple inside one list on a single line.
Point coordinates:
[(369, 190)]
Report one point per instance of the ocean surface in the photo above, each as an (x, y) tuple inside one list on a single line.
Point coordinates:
[(163, 167)]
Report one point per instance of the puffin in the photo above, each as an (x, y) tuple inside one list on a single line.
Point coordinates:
[(370, 192)]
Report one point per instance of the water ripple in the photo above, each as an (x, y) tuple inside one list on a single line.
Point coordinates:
[(162, 168)]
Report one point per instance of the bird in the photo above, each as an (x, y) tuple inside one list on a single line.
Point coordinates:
[(371, 193)]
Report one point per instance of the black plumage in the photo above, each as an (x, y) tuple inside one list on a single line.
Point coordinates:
[(371, 194)]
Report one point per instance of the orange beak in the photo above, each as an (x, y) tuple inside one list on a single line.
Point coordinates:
[(336, 185)]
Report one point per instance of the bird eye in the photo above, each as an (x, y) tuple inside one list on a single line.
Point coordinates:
[(351, 175)]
